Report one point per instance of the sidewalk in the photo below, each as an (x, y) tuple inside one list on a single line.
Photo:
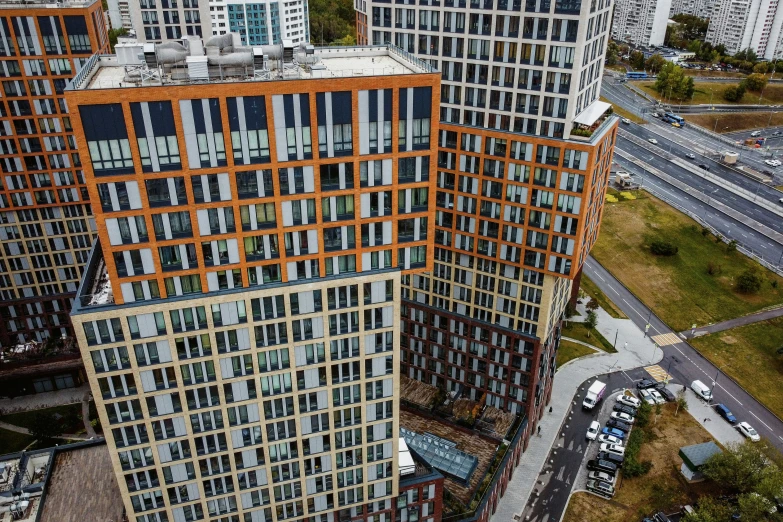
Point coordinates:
[(705, 415), (37, 401), (566, 382), (733, 323)]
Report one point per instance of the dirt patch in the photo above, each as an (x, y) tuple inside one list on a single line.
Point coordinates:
[(664, 488), (728, 339)]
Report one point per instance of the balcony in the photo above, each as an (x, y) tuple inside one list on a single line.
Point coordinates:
[(592, 119)]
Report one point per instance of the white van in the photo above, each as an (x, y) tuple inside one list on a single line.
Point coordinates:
[(701, 390)]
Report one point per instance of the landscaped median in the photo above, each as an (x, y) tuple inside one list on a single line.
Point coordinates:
[(703, 281)]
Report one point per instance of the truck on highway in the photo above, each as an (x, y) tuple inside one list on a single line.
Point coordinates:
[(594, 395)]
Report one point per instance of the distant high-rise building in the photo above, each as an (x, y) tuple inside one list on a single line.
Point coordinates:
[(240, 315), (263, 22), (700, 8), (524, 152), (158, 20), (748, 24), (641, 22), (47, 226)]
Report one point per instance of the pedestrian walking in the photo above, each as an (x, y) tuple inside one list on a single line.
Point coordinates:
[(550, 409), (626, 345), (539, 431)]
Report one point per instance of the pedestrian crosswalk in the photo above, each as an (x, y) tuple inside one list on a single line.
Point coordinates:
[(666, 339), (658, 373)]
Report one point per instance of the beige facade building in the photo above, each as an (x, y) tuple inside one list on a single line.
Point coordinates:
[(239, 317)]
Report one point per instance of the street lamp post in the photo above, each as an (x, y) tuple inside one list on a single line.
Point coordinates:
[(715, 130), (715, 382), (769, 122)]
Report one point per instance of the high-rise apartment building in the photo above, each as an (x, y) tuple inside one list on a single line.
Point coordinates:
[(641, 22), (47, 227), (261, 22), (159, 20), (239, 316), (700, 8), (748, 24), (524, 153)]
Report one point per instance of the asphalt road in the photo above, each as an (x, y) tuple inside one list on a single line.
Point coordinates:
[(619, 94), (685, 364), (699, 184)]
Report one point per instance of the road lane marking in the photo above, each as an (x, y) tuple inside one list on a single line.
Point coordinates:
[(761, 421)]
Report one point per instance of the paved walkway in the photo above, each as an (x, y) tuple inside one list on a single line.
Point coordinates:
[(568, 380), (733, 323), (37, 401)]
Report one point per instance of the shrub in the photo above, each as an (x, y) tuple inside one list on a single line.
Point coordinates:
[(713, 268), (749, 282), (705, 231), (731, 246), (774, 283), (734, 93), (663, 248)]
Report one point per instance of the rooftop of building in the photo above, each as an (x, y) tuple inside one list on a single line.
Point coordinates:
[(45, 4), (223, 59), (70, 483), (465, 441)]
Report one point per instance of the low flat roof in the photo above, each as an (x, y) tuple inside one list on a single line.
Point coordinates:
[(696, 455)]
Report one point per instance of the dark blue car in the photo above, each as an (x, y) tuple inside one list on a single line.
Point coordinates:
[(724, 412), (620, 434)]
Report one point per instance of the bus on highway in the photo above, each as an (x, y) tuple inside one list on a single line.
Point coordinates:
[(633, 75), (673, 118)]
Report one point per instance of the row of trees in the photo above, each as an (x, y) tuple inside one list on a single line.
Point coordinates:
[(754, 82)]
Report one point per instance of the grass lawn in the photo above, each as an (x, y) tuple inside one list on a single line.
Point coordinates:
[(714, 74), (735, 122), (569, 350), (70, 417), (773, 93), (678, 288), (623, 113), (11, 442), (579, 332), (749, 355), (593, 291), (663, 488)]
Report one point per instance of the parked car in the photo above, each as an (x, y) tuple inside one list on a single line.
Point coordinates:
[(612, 423), (645, 383), (624, 409), (690, 155), (628, 400), (657, 397), (609, 439), (592, 431), (661, 517), (703, 166), (621, 416), (602, 465), (724, 412), (611, 457), (614, 432), (667, 394), (617, 449), (601, 475), (653, 141), (647, 397), (748, 431), (601, 488)]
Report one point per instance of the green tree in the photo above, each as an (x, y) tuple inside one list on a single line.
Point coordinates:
[(44, 427), (755, 82), (569, 312), (749, 282), (734, 93), (654, 63), (612, 53), (747, 55), (591, 321), (761, 68), (710, 509), (754, 507), (331, 20), (741, 467), (114, 34), (672, 82), (636, 59)]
